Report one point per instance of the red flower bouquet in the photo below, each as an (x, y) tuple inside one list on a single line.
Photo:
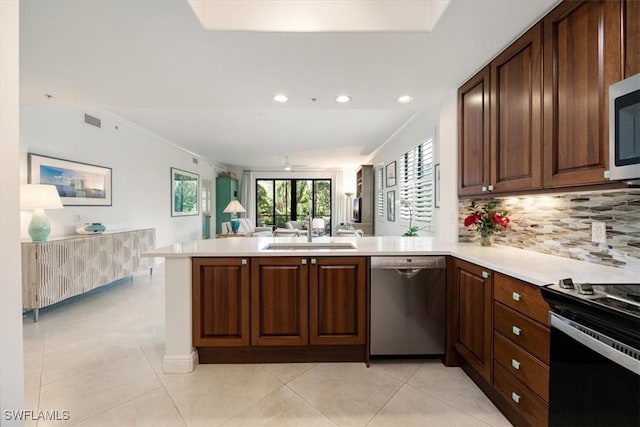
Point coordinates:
[(487, 221)]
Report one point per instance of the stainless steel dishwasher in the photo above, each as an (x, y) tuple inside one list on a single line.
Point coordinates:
[(408, 306)]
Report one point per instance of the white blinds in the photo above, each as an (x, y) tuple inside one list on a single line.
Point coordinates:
[(416, 185), (381, 191)]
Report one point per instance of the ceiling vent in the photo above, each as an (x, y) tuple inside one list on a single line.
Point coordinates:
[(93, 121), (195, 161)]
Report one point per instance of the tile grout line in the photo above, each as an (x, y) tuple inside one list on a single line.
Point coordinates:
[(155, 373), (312, 405), (452, 405), (404, 382)]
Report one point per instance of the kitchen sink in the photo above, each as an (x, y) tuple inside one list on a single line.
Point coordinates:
[(309, 246)]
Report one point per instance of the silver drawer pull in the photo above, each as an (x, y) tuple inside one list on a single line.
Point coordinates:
[(515, 397), (516, 296), (515, 330), (485, 275), (515, 363), (303, 261), (484, 188), (313, 260), (244, 262)]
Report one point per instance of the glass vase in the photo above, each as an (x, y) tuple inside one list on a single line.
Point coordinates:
[(486, 239)]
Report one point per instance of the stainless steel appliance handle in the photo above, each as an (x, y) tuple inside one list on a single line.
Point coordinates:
[(597, 342)]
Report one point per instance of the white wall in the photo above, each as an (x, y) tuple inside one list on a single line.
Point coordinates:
[(441, 122), (140, 163), (11, 363)]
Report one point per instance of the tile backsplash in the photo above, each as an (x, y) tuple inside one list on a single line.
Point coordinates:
[(560, 224)]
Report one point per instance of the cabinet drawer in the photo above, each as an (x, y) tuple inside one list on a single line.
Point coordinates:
[(522, 297), (527, 403), (522, 365), (528, 334)]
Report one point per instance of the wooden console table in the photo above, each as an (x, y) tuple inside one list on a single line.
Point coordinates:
[(64, 267)]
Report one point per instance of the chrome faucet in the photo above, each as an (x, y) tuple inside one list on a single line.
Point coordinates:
[(309, 225)]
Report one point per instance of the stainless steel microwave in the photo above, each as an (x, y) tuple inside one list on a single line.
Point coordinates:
[(624, 130)]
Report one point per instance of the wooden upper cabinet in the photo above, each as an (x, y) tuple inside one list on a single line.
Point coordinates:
[(473, 134), (220, 297), (631, 37), (582, 57), (338, 301), (279, 292), (516, 115)]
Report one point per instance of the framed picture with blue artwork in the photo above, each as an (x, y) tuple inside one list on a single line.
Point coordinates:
[(78, 184)]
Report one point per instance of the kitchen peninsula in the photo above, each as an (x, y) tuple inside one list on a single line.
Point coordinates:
[(180, 357)]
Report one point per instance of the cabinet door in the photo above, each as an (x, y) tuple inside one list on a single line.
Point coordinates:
[(279, 292), (631, 37), (516, 115), (220, 302), (581, 59), (472, 316), (338, 301), (473, 134)]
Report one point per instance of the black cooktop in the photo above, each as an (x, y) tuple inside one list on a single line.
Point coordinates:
[(612, 309)]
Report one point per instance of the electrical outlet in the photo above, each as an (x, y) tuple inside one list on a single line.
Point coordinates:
[(598, 232)]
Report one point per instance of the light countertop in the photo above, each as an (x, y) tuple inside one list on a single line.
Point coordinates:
[(533, 267)]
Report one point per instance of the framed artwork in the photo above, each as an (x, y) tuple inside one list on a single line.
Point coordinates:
[(390, 172), (184, 193), (391, 206), (78, 184)]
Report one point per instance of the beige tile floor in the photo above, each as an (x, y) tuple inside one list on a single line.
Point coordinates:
[(99, 357)]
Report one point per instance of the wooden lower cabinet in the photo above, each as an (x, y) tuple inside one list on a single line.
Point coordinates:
[(279, 288), (498, 331), (280, 309), (471, 292), (220, 297), (338, 301), (530, 406)]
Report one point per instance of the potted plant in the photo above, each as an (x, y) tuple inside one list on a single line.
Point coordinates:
[(413, 230)]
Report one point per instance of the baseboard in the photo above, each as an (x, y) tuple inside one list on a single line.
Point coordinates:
[(180, 364)]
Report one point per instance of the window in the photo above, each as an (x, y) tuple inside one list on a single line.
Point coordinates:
[(282, 200), (416, 186), (381, 191)]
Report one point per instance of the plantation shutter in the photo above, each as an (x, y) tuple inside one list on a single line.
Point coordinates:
[(381, 191), (416, 185)]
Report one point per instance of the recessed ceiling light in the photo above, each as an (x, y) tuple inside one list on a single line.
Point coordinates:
[(404, 99), (280, 98), (343, 99)]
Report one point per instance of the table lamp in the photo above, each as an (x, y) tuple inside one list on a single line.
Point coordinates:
[(39, 197), (233, 208)]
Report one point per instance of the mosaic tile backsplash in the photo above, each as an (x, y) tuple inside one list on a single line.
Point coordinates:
[(560, 224)]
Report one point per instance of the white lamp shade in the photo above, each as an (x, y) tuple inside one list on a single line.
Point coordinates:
[(234, 206), (39, 196)]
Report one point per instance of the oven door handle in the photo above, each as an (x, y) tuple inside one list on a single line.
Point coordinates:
[(597, 342)]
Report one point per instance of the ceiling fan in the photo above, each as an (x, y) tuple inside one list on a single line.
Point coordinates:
[(288, 166)]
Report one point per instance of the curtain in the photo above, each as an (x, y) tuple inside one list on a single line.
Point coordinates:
[(247, 197), (340, 200)]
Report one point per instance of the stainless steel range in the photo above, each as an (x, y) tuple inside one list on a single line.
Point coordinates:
[(594, 375)]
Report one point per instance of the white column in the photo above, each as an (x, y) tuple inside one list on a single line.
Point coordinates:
[(12, 364), (179, 354)]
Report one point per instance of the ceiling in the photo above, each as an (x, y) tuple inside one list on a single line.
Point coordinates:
[(153, 64)]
